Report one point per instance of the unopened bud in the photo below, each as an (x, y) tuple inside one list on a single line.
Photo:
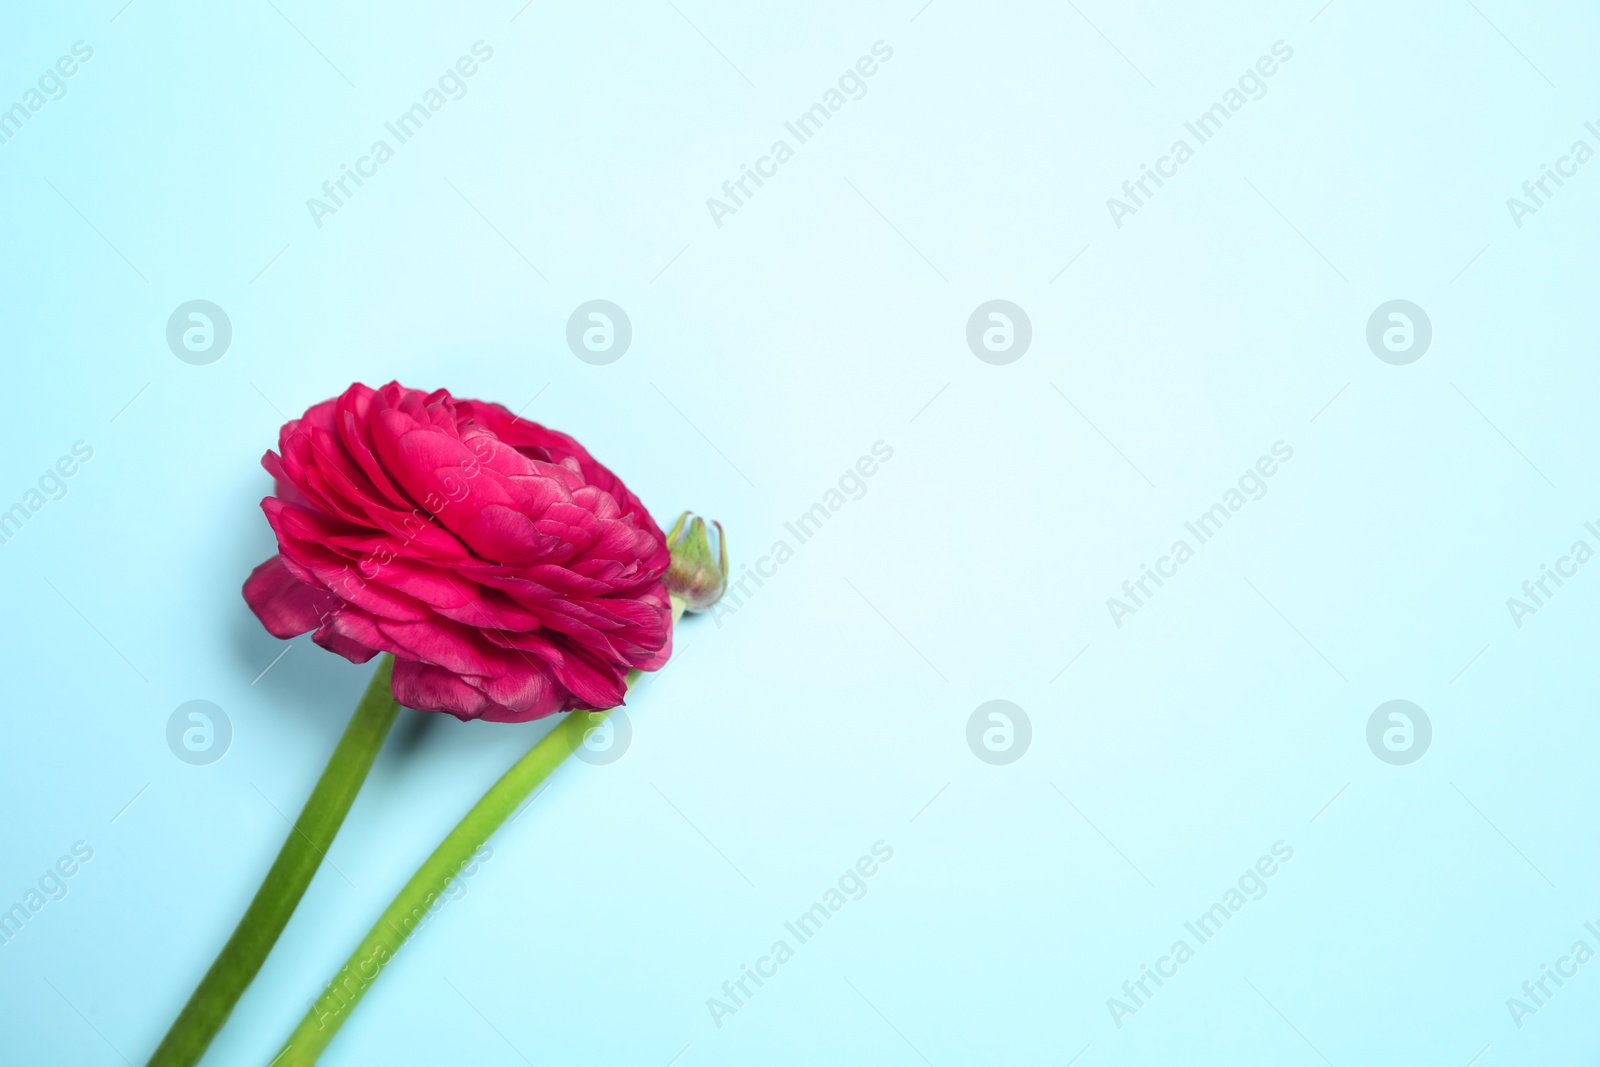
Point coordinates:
[(694, 576)]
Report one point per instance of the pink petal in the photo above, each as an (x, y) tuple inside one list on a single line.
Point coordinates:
[(286, 606)]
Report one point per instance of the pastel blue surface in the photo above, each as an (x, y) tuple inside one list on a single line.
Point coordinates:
[(1177, 734)]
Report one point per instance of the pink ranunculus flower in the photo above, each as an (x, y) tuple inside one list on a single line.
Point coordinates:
[(511, 574)]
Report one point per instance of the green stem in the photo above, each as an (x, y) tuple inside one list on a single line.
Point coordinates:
[(286, 881), (411, 907)]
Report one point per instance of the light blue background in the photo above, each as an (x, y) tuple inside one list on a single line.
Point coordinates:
[(768, 354)]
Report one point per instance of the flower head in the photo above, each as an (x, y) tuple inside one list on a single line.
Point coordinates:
[(511, 574), (694, 576)]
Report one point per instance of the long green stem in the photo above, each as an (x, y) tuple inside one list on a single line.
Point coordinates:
[(411, 907), (286, 881)]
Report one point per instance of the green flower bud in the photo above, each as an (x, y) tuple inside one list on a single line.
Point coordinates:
[(694, 576)]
